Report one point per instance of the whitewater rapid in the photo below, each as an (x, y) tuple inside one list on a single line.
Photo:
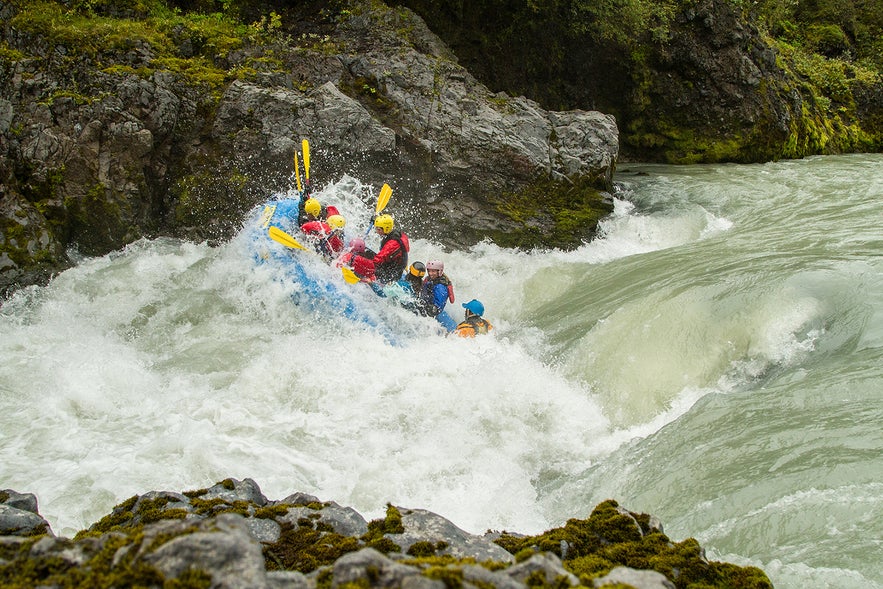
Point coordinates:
[(713, 358)]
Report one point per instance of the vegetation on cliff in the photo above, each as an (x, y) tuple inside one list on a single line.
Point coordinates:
[(688, 80)]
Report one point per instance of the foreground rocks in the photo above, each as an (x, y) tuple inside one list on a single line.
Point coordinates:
[(230, 535)]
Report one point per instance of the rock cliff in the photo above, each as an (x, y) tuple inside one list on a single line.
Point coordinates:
[(115, 126), (688, 81), (231, 535)]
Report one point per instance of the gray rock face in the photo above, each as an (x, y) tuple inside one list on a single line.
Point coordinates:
[(345, 521), (222, 547), (19, 516), (424, 526), (634, 578), (116, 156)]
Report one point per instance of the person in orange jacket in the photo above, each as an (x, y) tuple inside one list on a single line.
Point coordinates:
[(473, 324)]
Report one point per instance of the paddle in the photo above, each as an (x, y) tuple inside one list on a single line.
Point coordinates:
[(349, 276), (305, 145), (297, 174), (285, 239), (382, 201)]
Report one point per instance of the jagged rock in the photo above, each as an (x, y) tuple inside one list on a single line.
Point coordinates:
[(230, 535), (346, 521), (222, 547), (232, 490), (19, 516), (549, 568), (369, 563), (424, 526), (634, 578)]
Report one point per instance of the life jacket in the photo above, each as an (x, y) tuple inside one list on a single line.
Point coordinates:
[(472, 326), (442, 279), (392, 263), (328, 241)]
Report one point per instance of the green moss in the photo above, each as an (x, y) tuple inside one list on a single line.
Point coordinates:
[(324, 579), (271, 511), (451, 577), (126, 516), (384, 545), (391, 524), (304, 549), (190, 579), (153, 26), (556, 214), (206, 507), (195, 493), (9, 54), (79, 99), (107, 567), (85, 33), (610, 538)]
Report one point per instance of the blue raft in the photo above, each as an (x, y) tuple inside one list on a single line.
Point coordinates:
[(319, 286)]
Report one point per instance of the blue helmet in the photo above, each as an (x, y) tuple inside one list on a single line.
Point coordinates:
[(474, 306)]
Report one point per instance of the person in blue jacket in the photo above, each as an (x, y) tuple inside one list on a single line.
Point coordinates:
[(436, 291)]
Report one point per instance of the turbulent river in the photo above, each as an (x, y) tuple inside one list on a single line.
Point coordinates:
[(715, 358)]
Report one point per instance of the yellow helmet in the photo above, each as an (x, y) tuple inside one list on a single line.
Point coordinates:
[(385, 222), (312, 207), (337, 221)]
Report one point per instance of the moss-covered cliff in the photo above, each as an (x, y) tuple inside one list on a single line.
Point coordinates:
[(688, 80)]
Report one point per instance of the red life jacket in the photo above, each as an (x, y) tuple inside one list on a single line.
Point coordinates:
[(392, 259)]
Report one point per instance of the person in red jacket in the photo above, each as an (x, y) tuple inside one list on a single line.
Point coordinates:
[(392, 257), (326, 235), (355, 248), (310, 209)]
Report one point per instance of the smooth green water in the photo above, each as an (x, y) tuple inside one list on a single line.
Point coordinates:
[(774, 326)]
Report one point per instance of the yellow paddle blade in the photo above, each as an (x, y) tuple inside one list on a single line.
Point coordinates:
[(305, 145), (349, 275), (297, 173), (267, 215), (285, 239), (383, 198)]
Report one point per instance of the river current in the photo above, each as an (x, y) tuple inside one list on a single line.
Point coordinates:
[(715, 358)]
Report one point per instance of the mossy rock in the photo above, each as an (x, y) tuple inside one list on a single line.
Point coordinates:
[(551, 213)]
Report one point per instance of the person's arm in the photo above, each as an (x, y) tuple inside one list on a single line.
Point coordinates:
[(439, 296)]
